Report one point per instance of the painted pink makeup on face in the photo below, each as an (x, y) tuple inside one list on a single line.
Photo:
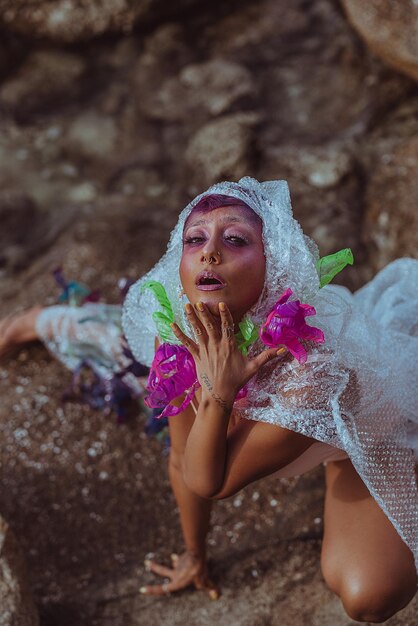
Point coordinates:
[(223, 259)]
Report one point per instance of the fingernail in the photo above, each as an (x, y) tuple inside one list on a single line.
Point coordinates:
[(213, 594), (189, 308), (222, 306), (142, 590), (281, 351), (174, 557), (199, 306), (147, 565)]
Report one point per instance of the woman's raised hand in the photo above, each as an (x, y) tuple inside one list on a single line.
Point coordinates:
[(221, 368)]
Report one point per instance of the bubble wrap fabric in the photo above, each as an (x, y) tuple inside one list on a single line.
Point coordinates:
[(91, 334), (359, 390)]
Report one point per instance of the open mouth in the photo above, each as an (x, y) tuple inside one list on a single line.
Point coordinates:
[(209, 281)]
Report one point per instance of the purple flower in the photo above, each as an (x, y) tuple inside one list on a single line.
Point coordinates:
[(285, 325), (173, 372)]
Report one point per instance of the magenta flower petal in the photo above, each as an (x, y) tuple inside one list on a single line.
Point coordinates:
[(296, 348), (308, 309), (173, 372), (171, 410), (286, 326), (284, 297), (242, 393), (313, 334)]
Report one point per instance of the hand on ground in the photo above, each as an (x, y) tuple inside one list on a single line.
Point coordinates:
[(187, 571)]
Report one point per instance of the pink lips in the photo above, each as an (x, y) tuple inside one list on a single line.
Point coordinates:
[(203, 281)]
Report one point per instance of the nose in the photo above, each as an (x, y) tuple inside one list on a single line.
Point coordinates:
[(211, 256)]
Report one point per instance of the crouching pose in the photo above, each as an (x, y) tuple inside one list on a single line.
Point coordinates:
[(251, 388)]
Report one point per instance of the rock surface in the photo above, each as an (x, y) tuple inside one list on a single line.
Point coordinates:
[(392, 217), (389, 29), (19, 243), (45, 79), (77, 20), (16, 603), (220, 149), (209, 88), (101, 144)]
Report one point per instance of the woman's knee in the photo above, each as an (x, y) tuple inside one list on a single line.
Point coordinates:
[(368, 599)]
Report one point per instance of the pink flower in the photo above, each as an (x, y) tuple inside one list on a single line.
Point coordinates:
[(173, 372), (285, 325)]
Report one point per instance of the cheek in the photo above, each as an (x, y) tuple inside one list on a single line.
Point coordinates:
[(185, 271), (254, 266), (255, 285), (253, 270)]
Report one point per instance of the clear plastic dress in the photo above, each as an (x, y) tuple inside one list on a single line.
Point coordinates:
[(359, 390)]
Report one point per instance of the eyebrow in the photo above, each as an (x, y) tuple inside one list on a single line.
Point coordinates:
[(227, 218)]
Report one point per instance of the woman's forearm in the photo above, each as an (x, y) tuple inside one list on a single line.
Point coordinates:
[(206, 447), (218, 462), (194, 514)]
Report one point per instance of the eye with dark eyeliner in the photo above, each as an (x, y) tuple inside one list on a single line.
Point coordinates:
[(193, 240), (236, 240)]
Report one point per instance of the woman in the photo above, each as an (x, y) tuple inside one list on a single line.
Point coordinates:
[(338, 397), (234, 251)]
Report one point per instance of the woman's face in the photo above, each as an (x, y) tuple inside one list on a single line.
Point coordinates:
[(223, 259)]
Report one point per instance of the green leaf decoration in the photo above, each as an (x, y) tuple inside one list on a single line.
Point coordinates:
[(160, 293), (247, 334), (164, 318), (162, 324), (330, 265)]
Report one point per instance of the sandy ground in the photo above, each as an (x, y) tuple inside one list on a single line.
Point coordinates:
[(89, 499)]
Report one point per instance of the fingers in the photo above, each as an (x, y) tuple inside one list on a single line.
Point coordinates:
[(204, 325), (184, 574), (268, 355), (195, 322), (161, 570), (172, 586), (207, 320), (211, 589), (163, 590), (160, 589), (155, 590), (214, 594), (175, 583), (227, 323), (185, 340)]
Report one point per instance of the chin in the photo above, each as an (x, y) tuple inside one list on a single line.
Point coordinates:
[(213, 305), (212, 300)]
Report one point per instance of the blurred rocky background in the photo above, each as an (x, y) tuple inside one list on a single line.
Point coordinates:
[(113, 114)]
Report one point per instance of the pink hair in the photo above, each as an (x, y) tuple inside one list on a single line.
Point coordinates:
[(215, 201)]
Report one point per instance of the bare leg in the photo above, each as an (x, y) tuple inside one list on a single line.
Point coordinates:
[(18, 329), (364, 560)]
